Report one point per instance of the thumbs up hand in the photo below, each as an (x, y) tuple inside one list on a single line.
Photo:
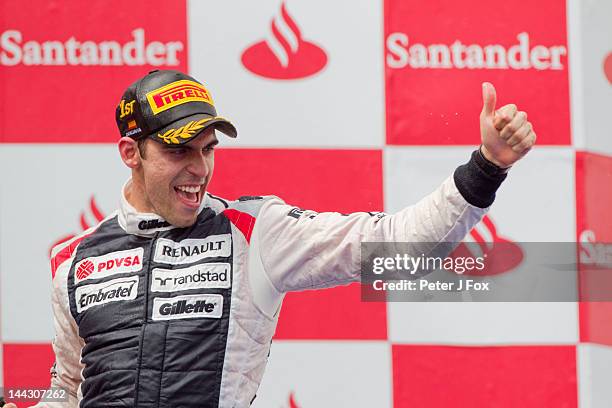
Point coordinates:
[(506, 134)]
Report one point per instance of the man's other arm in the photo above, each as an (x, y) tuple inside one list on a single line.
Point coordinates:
[(67, 344)]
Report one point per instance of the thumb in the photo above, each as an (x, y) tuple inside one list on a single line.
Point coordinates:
[(489, 99)]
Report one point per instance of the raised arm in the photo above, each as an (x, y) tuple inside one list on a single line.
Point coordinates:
[(299, 250)]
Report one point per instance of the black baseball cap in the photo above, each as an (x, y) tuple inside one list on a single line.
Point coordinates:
[(169, 107)]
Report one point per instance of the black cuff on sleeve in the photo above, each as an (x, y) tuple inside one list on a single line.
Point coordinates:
[(478, 180)]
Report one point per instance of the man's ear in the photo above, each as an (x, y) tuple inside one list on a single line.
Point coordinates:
[(128, 150)]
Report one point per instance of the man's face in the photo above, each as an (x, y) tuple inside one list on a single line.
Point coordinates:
[(172, 180)]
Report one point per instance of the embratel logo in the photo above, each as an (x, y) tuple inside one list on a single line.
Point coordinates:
[(15, 49), (101, 293), (607, 67), (177, 93), (501, 254), (285, 54)]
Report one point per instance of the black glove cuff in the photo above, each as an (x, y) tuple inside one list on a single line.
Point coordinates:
[(479, 179)]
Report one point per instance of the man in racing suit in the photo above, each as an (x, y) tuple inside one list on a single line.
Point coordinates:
[(172, 300)]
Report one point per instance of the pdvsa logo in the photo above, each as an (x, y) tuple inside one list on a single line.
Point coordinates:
[(284, 54), (501, 254), (85, 269), (126, 261), (112, 291)]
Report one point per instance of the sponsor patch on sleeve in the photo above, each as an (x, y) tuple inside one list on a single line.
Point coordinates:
[(116, 290), (250, 198), (297, 213), (377, 214)]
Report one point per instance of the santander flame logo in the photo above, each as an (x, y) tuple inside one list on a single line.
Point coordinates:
[(94, 213), (292, 403), (285, 55), (608, 67), (501, 254)]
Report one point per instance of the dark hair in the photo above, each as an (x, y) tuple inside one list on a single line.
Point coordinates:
[(141, 146)]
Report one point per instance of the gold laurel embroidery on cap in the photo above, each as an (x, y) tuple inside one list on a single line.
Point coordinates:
[(184, 132)]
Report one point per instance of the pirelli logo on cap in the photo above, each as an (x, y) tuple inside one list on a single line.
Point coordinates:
[(177, 93)]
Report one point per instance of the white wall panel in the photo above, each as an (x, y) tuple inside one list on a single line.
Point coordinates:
[(535, 204), (594, 373), (42, 196), (342, 105), (327, 374), (593, 37)]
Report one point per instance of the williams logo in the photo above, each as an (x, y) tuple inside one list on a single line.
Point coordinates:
[(102, 266), (101, 293), (205, 276), (192, 250), (188, 307), (285, 54)]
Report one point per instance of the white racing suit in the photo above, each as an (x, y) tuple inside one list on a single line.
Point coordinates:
[(149, 315)]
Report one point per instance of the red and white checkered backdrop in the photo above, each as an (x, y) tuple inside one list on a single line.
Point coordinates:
[(340, 105)]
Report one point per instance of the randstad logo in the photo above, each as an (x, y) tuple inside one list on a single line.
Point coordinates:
[(285, 54)]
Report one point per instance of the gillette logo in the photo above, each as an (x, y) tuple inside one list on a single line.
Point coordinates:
[(188, 307)]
